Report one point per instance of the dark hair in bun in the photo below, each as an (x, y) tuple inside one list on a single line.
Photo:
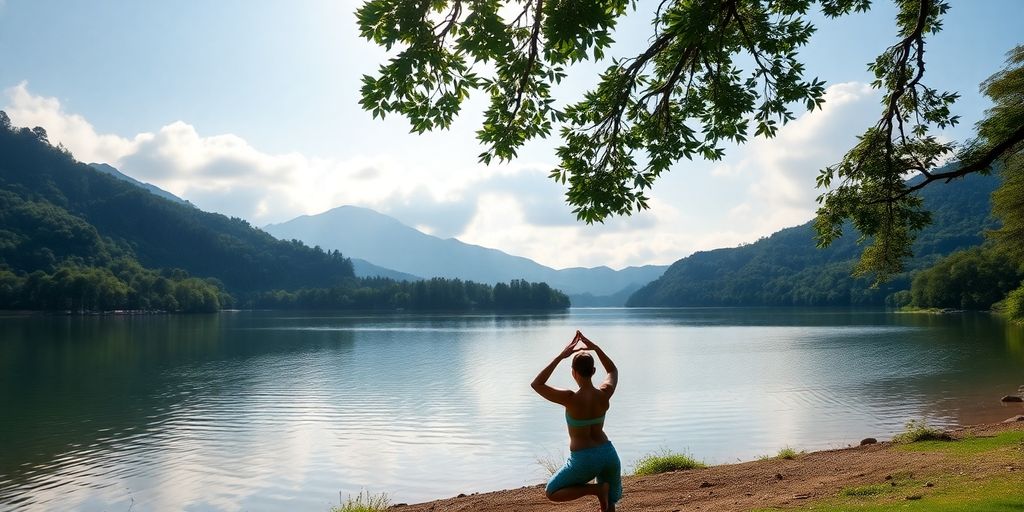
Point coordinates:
[(583, 363)]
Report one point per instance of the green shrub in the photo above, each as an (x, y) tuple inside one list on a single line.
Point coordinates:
[(364, 502), (920, 431), (1013, 305), (788, 453), (664, 462)]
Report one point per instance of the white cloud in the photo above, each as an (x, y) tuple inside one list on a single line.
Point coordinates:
[(72, 130), (225, 173), (782, 170), (515, 208)]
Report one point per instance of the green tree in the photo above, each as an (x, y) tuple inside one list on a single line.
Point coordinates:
[(1007, 114), (684, 96), (1007, 91), (975, 279)]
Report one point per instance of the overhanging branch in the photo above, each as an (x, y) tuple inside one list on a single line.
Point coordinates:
[(976, 165)]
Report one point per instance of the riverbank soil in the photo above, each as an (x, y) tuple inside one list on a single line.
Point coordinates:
[(980, 470)]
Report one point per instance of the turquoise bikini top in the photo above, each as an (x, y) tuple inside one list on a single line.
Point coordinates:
[(573, 422)]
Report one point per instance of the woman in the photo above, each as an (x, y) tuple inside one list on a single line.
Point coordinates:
[(591, 454)]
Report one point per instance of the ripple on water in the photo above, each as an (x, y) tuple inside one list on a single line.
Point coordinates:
[(268, 413)]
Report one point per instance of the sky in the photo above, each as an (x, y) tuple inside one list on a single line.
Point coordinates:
[(250, 108)]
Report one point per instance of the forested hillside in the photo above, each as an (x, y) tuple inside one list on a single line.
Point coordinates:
[(787, 269), (157, 232), (77, 239)]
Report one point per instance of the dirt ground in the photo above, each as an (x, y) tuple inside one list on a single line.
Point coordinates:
[(748, 485)]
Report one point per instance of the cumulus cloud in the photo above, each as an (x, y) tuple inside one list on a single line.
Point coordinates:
[(26, 109), (227, 174), (783, 169), (774, 179), (513, 207)]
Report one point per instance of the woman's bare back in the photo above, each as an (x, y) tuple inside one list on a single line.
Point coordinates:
[(586, 404)]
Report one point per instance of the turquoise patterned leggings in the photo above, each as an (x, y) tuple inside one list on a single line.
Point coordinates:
[(601, 462)]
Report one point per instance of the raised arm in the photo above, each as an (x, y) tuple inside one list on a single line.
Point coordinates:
[(612, 380), (540, 382)]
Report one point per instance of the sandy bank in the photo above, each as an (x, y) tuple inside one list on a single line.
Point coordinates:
[(812, 479)]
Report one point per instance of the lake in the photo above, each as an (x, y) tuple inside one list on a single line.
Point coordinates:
[(279, 410)]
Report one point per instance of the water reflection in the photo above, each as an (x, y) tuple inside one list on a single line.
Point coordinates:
[(265, 411)]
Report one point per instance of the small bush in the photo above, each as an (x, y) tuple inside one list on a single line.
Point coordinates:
[(1013, 305), (788, 453), (364, 502), (664, 462), (920, 431)]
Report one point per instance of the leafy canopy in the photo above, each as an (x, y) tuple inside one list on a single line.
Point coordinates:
[(1006, 89), (684, 96)]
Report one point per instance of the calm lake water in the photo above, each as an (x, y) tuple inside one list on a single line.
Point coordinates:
[(273, 411)]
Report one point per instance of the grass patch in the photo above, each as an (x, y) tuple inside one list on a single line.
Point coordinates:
[(918, 431), (951, 494), (364, 502), (952, 489), (665, 461), (786, 453), (867, 490), (897, 483), (970, 445)]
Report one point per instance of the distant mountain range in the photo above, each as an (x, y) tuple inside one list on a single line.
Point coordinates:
[(362, 268), (372, 236), (382, 237), (784, 269), (787, 269), (54, 210)]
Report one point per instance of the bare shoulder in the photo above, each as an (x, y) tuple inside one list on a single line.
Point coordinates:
[(607, 388)]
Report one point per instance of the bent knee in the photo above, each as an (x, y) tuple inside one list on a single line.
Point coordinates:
[(549, 491)]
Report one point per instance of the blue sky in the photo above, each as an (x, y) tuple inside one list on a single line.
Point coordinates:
[(250, 108)]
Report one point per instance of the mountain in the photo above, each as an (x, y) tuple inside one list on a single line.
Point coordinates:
[(153, 189), (367, 234), (787, 269), (55, 211), (364, 268)]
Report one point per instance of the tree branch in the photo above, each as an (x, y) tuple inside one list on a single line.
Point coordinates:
[(979, 164)]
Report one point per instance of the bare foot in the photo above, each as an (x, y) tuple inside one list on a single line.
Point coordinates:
[(602, 497)]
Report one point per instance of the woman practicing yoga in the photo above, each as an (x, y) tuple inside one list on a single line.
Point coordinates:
[(591, 454)]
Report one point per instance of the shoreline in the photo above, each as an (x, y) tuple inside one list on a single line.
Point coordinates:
[(979, 461)]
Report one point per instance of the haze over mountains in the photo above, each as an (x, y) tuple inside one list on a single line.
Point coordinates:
[(372, 236)]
